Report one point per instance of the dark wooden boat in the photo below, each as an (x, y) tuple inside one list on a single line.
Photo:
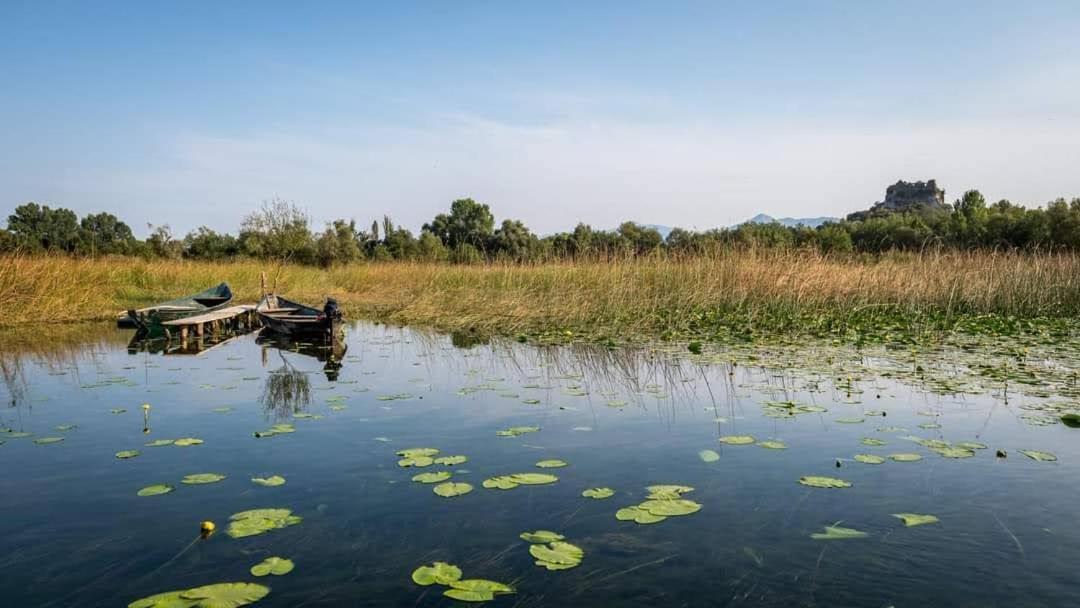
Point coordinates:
[(148, 320), (289, 318)]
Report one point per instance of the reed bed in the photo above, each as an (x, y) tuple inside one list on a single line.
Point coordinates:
[(743, 290)]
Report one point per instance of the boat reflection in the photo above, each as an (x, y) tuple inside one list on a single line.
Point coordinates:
[(330, 353)]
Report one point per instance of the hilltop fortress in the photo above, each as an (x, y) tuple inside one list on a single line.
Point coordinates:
[(905, 196)]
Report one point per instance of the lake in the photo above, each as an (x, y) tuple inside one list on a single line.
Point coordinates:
[(740, 425)]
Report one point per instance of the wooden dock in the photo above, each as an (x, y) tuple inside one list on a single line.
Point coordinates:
[(233, 318)]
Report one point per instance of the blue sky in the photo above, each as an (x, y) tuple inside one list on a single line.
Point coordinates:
[(689, 114)]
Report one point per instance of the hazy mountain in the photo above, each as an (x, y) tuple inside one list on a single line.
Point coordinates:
[(811, 222)]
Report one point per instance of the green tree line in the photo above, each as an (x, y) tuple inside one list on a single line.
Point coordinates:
[(468, 233)]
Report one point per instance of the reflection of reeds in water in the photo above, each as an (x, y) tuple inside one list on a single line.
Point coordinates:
[(287, 391)]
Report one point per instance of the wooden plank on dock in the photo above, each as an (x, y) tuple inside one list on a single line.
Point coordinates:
[(212, 317)]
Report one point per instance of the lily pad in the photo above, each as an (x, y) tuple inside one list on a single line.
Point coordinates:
[(905, 457), (541, 536), (869, 458), (476, 590), (451, 489), (202, 478), (276, 566), (432, 477), (155, 490), (598, 493), (1040, 456), (48, 440), (872, 441), (850, 420), (440, 573), (226, 595), (515, 431), (125, 454), (667, 492), (815, 481), (451, 460), (639, 516), (416, 452), (416, 461), (838, 533), (157, 443), (708, 456), (63, 428), (552, 463), (972, 445), (737, 439), (187, 441), (772, 445), (270, 482), (914, 519), (557, 555), (955, 452), (117, 410), (670, 508), (259, 521)]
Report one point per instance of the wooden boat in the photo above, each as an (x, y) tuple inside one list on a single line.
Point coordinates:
[(289, 318), (148, 320)]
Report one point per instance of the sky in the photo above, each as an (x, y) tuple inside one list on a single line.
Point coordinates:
[(691, 114)]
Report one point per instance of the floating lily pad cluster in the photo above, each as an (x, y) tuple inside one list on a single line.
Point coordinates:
[(817, 481), (551, 551), (220, 595), (598, 493), (509, 482), (282, 428), (270, 482), (259, 521), (465, 590), (663, 501), (516, 431)]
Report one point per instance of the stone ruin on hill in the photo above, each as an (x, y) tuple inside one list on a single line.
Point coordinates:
[(906, 196)]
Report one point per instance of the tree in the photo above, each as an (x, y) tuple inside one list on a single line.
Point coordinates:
[(833, 238), (339, 243), (640, 239), (40, 227), (430, 248), (278, 230), (514, 240), (161, 242), (104, 233), (469, 223), (206, 244)]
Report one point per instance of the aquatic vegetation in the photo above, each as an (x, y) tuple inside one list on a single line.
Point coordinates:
[(259, 521), (552, 463), (117, 410), (275, 566), (438, 573), (708, 456), (48, 440), (432, 477), (187, 441), (905, 457), (451, 460), (125, 454), (63, 428), (772, 444), (202, 478), (1040, 456), (157, 443), (557, 555), (836, 532), (598, 493), (869, 459), (915, 519), (663, 501), (815, 481), (476, 590), (220, 595), (850, 420), (155, 490), (451, 489), (509, 482), (516, 431), (737, 439), (272, 481), (541, 536), (871, 441)]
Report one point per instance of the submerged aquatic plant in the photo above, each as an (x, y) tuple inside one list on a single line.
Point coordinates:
[(220, 595)]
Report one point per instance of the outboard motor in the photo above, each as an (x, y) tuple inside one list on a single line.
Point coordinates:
[(331, 310)]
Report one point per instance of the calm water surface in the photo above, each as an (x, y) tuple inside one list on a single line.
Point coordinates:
[(73, 532)]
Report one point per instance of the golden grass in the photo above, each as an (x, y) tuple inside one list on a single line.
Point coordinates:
[(644, 296)]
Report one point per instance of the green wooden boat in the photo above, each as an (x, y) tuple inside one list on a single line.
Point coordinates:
[(148, 320)]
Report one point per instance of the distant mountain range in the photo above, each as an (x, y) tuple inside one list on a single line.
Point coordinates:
[(791, 222)]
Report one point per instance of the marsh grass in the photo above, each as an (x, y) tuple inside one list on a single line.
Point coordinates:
[(741, 292)]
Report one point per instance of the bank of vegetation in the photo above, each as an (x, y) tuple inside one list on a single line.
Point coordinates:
[(968, 266)]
